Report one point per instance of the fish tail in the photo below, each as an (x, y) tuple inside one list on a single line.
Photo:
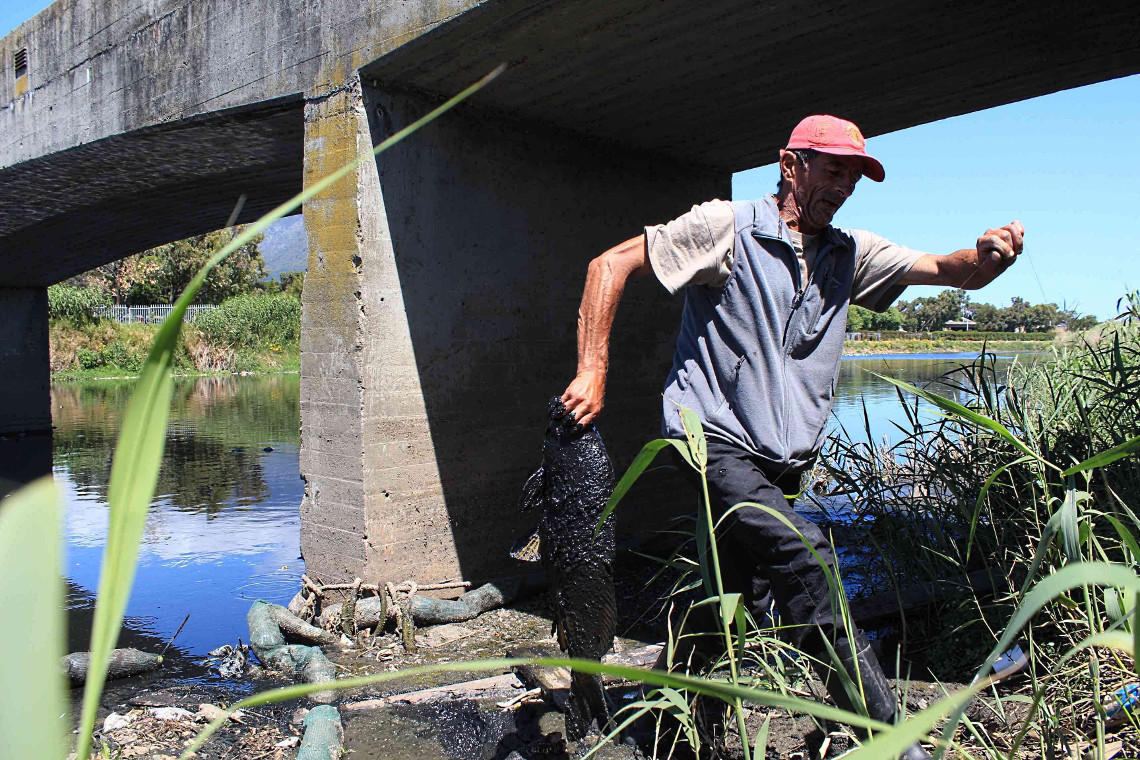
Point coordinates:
[(587, 703)]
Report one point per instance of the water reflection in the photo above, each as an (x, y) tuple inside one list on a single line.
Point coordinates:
[(858, 386), (223, 528)]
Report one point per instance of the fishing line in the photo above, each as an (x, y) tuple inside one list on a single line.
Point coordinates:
[(1044, 298)]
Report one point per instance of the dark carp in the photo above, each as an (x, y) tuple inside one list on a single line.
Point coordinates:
[(571, 489)]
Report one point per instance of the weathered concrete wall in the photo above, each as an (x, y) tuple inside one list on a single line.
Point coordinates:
[(24, 383), (332, 363), (99, 68), (441, 303), (143, 122)]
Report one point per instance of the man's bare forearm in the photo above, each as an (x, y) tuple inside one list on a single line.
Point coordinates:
[(605, 283), (970, 268)]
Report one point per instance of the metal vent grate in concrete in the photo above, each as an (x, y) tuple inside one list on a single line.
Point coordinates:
[(20, 64)]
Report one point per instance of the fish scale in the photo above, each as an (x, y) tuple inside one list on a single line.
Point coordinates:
[(572, 488)]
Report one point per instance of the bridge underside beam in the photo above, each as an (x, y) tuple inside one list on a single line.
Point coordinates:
[(440, 314), (81, 208), (723, 83)]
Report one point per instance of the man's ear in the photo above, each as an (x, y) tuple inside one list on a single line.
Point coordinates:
[(787, 164)]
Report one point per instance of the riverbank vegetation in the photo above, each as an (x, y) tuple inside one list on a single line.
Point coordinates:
[(996, 485), (253, 332)]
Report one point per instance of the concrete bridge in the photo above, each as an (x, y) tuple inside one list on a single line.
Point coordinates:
[(440, 303)]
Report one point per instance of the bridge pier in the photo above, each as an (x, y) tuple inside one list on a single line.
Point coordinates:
[(440, 311), (25, 415), (26, 380)]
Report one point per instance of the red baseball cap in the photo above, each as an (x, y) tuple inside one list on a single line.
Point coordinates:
[(829, 134)]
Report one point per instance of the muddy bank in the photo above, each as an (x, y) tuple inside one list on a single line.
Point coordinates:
[(495, 719)]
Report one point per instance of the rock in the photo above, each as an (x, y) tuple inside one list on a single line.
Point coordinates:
[(208, 713), (114, 721), (552, 722), (171, 713), (442, 635)]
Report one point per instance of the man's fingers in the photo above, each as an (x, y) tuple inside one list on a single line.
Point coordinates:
[(1017, 230)]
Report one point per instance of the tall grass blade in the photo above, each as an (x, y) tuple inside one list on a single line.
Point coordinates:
[(1067, 577), (760, 748), (134, 472), (1069, 533), (1129, 447), (982, 497), (640, 463), (953, 407), (33, 710), (1126, 537)]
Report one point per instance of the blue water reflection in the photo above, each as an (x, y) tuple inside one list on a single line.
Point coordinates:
[(224, 527)]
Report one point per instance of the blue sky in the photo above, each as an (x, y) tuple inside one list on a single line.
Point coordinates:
[(1065, 164)]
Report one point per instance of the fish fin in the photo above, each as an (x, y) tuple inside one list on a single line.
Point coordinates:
[(528, 548), (532, 492)]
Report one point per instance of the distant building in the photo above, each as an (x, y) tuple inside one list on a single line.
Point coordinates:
[(960, 324)]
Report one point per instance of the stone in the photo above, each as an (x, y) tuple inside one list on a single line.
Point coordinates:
[(115, 721)]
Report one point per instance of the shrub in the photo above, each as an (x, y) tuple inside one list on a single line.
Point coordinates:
[(249, 320), (77, 305)]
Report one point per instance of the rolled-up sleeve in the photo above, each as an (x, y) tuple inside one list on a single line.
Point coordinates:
[(879, 265), (695, 248)]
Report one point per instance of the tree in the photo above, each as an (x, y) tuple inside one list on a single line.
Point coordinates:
[(238, 274), (161, 274), (932, 313)]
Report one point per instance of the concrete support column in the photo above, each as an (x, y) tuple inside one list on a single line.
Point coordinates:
[(26, 379), (440, 317), (332, 510), (25, 410)]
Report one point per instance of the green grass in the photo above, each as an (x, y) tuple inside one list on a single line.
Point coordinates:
[(251, 333), (939, 346)]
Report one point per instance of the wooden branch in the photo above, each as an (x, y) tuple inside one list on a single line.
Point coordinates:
[(471, 689)]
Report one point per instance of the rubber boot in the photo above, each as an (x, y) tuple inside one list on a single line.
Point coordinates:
[(879, 698)]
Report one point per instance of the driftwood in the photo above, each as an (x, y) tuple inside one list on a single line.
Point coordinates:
[(294, 627), (554, 683), (324, 735), (477, 689), (123, 664), (306, 663), (375, 611)]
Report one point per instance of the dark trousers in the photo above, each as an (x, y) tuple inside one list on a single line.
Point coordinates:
[(761, 557)]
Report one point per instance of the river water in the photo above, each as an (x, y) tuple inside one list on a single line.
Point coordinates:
[(224, 528)]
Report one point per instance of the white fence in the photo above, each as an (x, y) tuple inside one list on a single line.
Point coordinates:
[(147, 315)]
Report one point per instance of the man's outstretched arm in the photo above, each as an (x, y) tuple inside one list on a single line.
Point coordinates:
[(605, 283), (970, 268)]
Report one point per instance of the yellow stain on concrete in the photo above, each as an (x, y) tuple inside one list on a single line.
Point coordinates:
[(332, 217)]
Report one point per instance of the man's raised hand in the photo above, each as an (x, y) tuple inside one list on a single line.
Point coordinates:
[(1003, 244), (997, 250), (584, 396)]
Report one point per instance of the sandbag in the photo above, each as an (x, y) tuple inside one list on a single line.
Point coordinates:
[(123, 664), (304, 663), (324, 735)]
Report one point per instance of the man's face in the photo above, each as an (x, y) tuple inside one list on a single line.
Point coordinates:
[(821, 186)]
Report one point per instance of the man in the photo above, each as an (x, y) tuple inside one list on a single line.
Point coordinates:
[(767, 285)]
